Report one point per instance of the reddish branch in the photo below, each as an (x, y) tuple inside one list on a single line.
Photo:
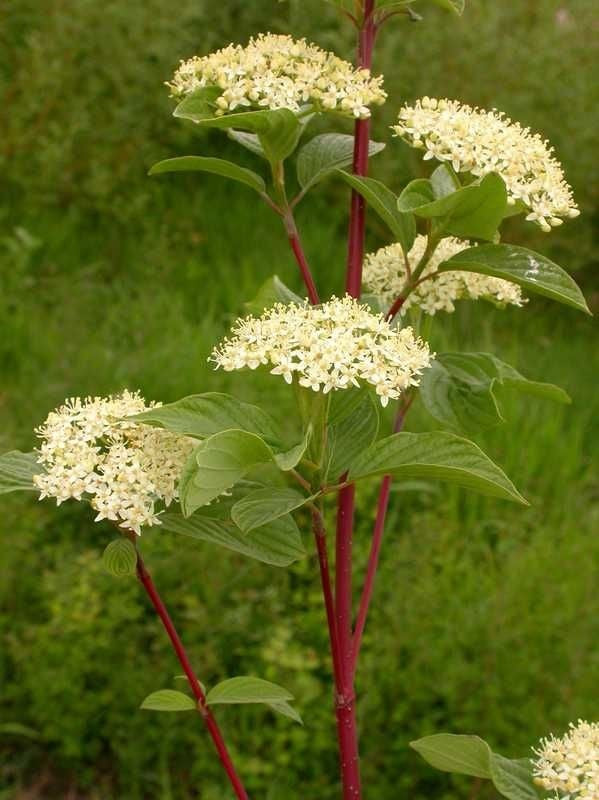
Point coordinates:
[(346, 713), (213, 729), (300, 257), (375, 547)]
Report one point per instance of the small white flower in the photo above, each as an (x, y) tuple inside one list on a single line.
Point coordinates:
[(276, 71), (569, 766), (385, 275), (88, 448), (480, 142), (328, 347)]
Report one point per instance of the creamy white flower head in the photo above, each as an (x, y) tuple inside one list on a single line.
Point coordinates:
[(276, 71), (569, 766), (477, 141), (332, 346), (88, 449), (385, 275)]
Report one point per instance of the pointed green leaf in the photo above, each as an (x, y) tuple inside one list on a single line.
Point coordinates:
[(278, 131), (466, 755), (470, 755), (220, 461), (528, 269), (203, 415), (272, 291), (17, 470), (286, 710), (457, 391), (444, 181), (352, 433), (264, 505), (513, 778), (325, 153), (279, 543), (512, 379), (168, 700), (289, 459), (472, 211), (384, 203), (443, 456), (248, 140), (216, 166), (460, 389), (120, 558), (245, 689)]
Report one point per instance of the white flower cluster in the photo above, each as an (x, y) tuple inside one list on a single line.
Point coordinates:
[(569, 766), (385, 275), (275, 71), (332, 346), (477, 141), (88, 448)]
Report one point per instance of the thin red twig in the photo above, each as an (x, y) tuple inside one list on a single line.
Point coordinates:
[(375, 547), (213, 729), (302, 262)]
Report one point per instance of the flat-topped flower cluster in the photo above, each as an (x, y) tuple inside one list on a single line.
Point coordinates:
[(479, 142), (569, 766), (385, 274), (332, 346), (276, 71), (89, 449)]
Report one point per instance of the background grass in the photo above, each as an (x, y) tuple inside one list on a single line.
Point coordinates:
[(485, 617)]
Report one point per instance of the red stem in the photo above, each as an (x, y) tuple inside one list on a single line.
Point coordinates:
[(325, 579), (146, 580), (395, 308), (300, 257), (357, 219), (375, 547), (345, 709)]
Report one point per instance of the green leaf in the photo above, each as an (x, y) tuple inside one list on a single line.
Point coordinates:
[(472, 211), (384, 203), (220, 461), (512, 379), (513, 778), (17, 470), (325, 153), (198, 105), (248, 140), (289, 459), (528, 269), (459, 389), (351, 434), (168, 700), (279, 543), (278, 131), (443, 456), (245, 689), (264, 505), (286, 710), (216, 166), (470, 755), (120, 558), (467, 755), (272, 291), (203, 415), (444, 181)]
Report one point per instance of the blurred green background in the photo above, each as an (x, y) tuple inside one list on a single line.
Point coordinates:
[(485, 616)]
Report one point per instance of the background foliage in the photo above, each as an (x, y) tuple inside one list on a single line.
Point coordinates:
[(485, 615)]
